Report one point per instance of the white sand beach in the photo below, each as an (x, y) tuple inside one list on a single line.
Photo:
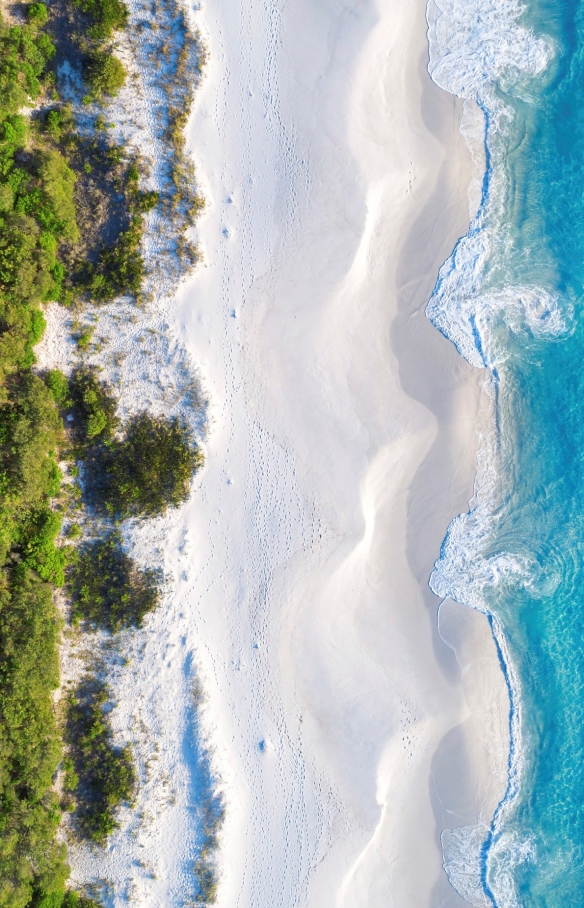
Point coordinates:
[(343, 443), (347, 732)]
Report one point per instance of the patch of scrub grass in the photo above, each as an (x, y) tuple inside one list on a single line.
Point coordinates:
[(108, 589), (84, 337), (119, 268)]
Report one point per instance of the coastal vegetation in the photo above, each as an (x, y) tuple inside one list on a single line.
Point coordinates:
[(108, 589), (37, 218), (71, 227), (94, 405), (104, 73), (148, 470), (100, 775)]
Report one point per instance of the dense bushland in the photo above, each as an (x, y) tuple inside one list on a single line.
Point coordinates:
[(71, 224), (37, 224), (37, 216), (31, 861)]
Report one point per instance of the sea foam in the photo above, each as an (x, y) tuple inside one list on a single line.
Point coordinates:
[(478, 51)]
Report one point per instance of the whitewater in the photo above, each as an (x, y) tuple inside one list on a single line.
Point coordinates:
[(509, 298)]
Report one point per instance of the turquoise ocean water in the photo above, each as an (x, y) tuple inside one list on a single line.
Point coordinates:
[(512, 300)]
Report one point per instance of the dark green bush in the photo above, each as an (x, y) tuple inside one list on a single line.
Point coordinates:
[(150, 470), (58, 183), (95, 405), (107, 16), (107, 775), (108, 589), (60, 898), (58, 385), (24, 53), (36, 14), (39, 551), (121, 267), (104, 74), (53, 124), (146, 201)]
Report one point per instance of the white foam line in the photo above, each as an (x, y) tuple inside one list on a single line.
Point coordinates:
[(474, 46)]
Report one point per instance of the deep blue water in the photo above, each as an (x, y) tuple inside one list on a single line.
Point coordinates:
[(514, 290)]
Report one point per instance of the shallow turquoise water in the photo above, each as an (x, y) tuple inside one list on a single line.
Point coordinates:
[(520, 554)]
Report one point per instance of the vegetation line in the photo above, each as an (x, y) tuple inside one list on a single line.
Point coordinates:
[(72, 218)]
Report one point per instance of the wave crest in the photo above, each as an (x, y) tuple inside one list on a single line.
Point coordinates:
[(475, 43), (462, 851)]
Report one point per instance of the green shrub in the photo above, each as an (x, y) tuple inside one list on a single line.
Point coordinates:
[(104, 74), (6, 197), (84, 337), (106, 772), (71, 780), (121, 267), (94, 403), (61, 899), (36, 14), (37, 325), (58, 385), (146, 201), (150, 470), (108, 589), (38, 545), (107, 16), (24, 54), (58, 182), (53, 124)]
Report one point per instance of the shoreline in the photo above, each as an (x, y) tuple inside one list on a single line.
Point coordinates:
[(469, 765)]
